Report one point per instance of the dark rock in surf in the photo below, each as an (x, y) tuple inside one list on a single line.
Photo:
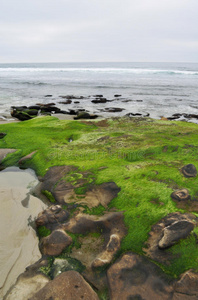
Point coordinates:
[(85, 115), (100, 100), (66, 102), (116, 95), (98, 96), (113, 109)]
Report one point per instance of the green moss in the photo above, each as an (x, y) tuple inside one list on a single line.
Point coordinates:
[(142, 156), (43, 231), (47, 269), (99, 210), (49, 196)]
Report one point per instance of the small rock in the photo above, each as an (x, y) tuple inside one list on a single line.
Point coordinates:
[(189, 170), (66, 102), (2, 135), (48, 96), (46, 105), (117, 95), (29, 156), (37, 107), (55, 243), (98, 96), (181, 195), (114, 109), (175, 232), (100, 100), (69, 285)]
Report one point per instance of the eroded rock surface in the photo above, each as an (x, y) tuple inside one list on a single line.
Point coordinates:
[(69, 285), (166, 232), (111, 226), (55, 181), (107, 255), (133, 277)]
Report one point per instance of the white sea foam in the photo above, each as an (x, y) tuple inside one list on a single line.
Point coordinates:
[(98, 70)]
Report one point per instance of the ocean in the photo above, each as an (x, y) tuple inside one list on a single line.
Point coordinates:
[(160, 89)]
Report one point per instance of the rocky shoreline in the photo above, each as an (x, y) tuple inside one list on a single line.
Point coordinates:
[(76, 109), (83, 230)]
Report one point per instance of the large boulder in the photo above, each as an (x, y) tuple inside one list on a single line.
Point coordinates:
[(55, 243), (69, 285)]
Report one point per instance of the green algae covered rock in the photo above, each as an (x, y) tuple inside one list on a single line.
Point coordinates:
[(143, 157)]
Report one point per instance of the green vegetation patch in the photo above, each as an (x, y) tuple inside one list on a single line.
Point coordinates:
[(49, 196), (142, 156), (43, 231)]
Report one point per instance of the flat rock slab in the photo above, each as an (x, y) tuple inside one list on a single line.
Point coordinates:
[(4, 152), (63, 190), (69, 285), (133, 277)]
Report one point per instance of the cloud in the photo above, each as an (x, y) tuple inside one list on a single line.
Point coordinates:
[(98, 30)]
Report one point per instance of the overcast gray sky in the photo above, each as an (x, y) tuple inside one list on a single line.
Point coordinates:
[(98, 30)]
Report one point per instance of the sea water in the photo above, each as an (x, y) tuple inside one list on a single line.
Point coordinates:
[(160, 89)]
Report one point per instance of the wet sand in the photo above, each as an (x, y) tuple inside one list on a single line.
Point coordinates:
[(18, 240)]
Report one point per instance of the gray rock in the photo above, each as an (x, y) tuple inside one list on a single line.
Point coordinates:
[(175, 232)]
